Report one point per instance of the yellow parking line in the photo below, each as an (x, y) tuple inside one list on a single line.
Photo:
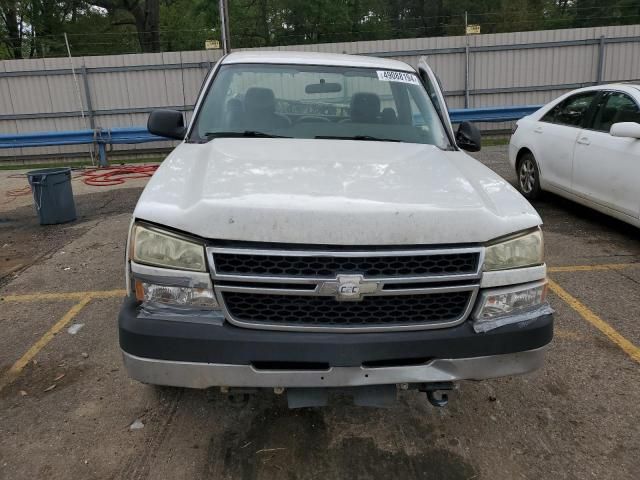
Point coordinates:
[(592, 268), (17, 367), (33, 297), (584, 311)]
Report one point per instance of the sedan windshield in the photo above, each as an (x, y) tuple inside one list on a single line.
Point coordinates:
[(324, 102)]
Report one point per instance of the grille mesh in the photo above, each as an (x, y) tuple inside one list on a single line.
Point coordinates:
[(301, 310), (329, 267)]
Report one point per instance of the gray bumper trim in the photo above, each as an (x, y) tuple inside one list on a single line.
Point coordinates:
[(205, 375)]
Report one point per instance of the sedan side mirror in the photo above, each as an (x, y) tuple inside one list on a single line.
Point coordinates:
[(625, 129), (167, 123), (468, 137)]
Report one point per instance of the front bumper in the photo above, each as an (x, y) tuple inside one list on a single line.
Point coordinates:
[(205, 375), (199, 354)]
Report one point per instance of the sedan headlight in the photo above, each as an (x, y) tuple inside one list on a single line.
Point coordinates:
[(524, 251), (152, 246)]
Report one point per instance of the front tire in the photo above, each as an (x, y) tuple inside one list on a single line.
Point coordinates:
[(529, 177)]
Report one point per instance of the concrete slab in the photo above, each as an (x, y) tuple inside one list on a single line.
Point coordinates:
[(612, 295)]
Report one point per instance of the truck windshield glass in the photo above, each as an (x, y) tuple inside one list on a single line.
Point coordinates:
[(300, 101)]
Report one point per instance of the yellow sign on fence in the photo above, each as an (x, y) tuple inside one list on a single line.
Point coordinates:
[(473, 29), (211, 44)]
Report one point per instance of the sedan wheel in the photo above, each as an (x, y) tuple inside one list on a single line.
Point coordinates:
[(528, 177)]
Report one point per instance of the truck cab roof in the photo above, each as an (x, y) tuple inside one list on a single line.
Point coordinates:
[(315, 58)]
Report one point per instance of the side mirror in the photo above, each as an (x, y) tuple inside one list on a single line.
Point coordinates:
[(167, 123), (468, 137), (625, 129)]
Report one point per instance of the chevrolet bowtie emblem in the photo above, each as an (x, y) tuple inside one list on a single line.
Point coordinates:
[(349, 287)]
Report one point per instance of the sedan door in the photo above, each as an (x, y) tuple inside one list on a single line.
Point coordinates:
[(606, 169), (554, 138)]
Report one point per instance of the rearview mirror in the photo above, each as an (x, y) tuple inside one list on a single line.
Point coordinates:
[(167, 123), (468, 137), (323, 87), (625, 129)]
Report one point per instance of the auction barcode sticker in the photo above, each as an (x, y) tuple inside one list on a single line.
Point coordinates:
[(393, 76)]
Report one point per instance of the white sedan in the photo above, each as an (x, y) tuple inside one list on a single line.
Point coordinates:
[(584, 146)]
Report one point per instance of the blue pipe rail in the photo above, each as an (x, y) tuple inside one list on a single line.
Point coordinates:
[(99, 137), (45, 139), (132, 135), (79, 137), (491, 114)]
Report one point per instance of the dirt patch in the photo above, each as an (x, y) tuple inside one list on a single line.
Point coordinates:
[(40, 378), (23, 241), (280, 443), (162, 417)]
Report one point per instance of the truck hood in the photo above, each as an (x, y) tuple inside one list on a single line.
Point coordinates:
[(331, 192)]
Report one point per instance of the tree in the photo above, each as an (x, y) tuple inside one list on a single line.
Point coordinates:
[(187, 24), (35, 27), (11, 22), (144, 14), (31, 24)]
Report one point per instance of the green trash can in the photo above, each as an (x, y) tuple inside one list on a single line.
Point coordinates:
[(52, 195)]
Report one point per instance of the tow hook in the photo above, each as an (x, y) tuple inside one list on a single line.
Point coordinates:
[(435, 393)]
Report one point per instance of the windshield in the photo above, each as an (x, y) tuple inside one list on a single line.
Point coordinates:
[(308, 101)]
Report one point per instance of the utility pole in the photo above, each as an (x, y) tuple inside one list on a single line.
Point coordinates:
[(466, 61), (224, 26)]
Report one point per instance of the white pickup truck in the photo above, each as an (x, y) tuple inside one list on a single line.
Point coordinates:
[(318, 229)]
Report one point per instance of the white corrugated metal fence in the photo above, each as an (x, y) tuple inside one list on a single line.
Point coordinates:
[(522, 68)]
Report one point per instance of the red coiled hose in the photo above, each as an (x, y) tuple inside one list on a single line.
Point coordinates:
[(102, 177)]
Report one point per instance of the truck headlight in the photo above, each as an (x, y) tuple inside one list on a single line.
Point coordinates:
[(177, 296), (503, 306), (524, 251), (152, 246)]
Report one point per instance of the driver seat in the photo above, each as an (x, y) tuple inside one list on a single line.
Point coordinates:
[(365, 108)]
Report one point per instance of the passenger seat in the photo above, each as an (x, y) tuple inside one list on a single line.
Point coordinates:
[(260, 110), (389, 116)]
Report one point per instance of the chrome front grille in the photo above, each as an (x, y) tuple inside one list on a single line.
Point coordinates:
[(349, 291)]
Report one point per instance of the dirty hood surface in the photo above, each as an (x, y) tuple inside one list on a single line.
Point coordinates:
[(331, 192)]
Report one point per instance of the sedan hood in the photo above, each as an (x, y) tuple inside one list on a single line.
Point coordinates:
[(331, 192)]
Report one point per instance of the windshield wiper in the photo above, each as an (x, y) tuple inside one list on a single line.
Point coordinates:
[(246, 133), (357, 137)]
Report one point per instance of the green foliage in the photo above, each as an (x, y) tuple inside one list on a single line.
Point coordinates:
[(187, 24), (34, 28)]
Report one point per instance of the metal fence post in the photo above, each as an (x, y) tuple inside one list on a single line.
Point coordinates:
[(87, 97), (101, 143), (601, 51), (102, 155)]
